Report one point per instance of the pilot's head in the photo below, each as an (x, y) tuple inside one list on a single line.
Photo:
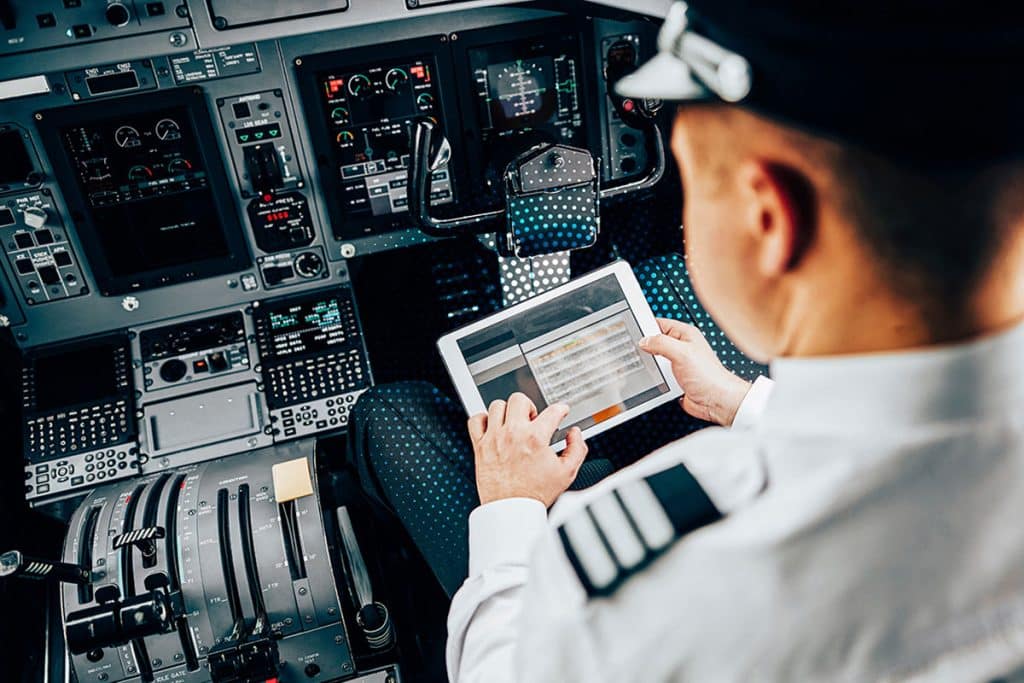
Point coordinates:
[(847, 166)]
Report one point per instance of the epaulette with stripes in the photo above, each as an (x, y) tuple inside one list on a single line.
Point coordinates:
[(619, 534)]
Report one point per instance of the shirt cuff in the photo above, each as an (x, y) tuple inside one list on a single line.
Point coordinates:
[(753, 404), (503, 533)]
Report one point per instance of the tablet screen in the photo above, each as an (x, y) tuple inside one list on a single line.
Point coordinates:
[(579, 349)]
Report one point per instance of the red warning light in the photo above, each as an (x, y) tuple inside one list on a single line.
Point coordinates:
[(420, 72), (628, 105), (334, 85)]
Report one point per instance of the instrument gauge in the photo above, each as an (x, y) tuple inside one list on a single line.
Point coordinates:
[(359, 85), (396, 78), (168, 129), (127, 137), (139, 173)]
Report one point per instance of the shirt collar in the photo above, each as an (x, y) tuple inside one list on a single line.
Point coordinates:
[(909, 388)]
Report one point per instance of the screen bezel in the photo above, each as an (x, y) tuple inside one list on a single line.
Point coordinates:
[(193, 101), (472, 129), (345, 227), (469, 393)]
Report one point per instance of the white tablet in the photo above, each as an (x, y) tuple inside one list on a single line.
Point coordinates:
[(575, 344)]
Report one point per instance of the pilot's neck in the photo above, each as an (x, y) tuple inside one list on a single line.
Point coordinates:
[(865, 315)]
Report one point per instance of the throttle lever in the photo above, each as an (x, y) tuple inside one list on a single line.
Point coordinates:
[(14, 564)]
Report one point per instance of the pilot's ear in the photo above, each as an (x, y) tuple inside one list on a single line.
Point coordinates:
[(781, 215)]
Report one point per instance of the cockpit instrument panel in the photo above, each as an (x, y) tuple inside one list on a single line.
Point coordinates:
[(362, 112), (147, 191)]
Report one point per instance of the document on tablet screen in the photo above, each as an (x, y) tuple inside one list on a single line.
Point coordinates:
[(579, 349)]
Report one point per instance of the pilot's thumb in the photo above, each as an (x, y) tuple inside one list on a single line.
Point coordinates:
[(663, 345)]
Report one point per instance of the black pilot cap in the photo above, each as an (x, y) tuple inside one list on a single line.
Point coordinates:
[(935, 83)]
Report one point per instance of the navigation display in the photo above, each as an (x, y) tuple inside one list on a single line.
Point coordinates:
[(579, 349), (368, 111), (149, 188), (527, 92)]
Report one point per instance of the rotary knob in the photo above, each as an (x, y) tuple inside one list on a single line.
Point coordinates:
[(308, 264), (117, 14), (173, 370)]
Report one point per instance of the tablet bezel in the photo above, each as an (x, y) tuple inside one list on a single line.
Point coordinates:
[(469, 393)]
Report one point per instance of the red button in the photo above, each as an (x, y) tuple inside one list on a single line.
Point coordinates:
[(628, 105)]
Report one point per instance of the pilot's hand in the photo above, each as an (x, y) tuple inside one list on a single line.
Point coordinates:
[(513, 458), (711, 392)]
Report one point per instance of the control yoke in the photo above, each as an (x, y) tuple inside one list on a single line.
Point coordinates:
[(541, 176)]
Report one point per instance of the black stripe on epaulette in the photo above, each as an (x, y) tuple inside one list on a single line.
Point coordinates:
[(685, 502), (686, 506)]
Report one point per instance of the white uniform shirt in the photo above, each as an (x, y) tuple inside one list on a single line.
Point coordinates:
[(874, 530)]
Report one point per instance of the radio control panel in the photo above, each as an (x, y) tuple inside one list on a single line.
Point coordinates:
[(193, 352)]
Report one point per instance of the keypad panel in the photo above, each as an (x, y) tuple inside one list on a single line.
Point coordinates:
[(51, 478), (77, 429), (306, 379), (315, 416)]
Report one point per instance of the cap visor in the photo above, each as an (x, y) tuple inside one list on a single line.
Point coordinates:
[(665, 77)]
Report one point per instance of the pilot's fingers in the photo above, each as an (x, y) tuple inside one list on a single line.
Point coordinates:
[(664, 345), (547, 422), (496, 414), (477, 426), (679, 330), (520, 408), (575, 451)]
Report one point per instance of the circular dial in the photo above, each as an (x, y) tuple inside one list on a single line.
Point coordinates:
[(173, 370), (126, 136), (308, 264), (396, 78), (168, 129), (359, 85), (340, 114), (425, 100), (179, 165), (138, 173), (117, 14)]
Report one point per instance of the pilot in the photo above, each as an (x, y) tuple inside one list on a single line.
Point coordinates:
[(854, 214)]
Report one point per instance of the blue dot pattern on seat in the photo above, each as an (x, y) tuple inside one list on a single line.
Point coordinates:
[(553, 222), (666, 284), (410, 444)]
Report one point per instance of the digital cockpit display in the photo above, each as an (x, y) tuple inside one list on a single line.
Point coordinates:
[(527, 91), (83, 374), (147, 190), (303, 327), (368, 110)]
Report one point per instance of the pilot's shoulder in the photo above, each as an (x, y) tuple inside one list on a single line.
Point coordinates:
[(614, 530)]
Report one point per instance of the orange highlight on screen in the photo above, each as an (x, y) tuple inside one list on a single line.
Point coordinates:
[(607, 414)]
